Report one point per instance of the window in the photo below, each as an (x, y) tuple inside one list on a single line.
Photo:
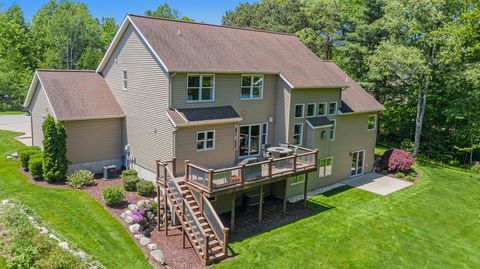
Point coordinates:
[(200, 88), (297, 179), (251, 137), (332, 129), (322, 109), (372, 122), (310, 110), (252, 87), (264, 133), (297, 134), (124, 80), (332, 108), (205, 140), (325, 167), (299, 110)]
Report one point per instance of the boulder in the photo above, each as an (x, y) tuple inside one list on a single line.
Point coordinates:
[(64, 246), (5, 202), (152, 246), (142, 203), (54, 237), (145, 241), (158, 256), (129, 220), (82, 255), (14, 155), (135, 228), (138, 236), (128, 212), (133, 207), (43, 230)]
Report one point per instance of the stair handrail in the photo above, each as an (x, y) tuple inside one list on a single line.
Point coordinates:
[(223, 238)]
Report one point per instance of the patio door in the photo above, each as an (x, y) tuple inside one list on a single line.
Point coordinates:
[(358, 162), (251, 138)]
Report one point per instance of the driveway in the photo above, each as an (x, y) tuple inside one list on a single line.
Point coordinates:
[(378, 183), (17, 123)]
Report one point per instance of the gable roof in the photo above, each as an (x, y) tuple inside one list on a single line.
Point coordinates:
[(76, 94), (202, 115)]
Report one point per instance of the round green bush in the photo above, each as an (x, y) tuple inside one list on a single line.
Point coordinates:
[(24, 155), (130, 182), (35, 165), (80, 179), (145, 188), (129, 172), (113, 195)]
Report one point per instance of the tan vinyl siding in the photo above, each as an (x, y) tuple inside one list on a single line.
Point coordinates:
[(282, 108), (186, 147), (94, 140), (227, 92), (40, 110), (146, 126)]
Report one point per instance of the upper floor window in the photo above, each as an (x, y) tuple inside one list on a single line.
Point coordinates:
[(297, 134), (322, 109), (200, 88), (205, 140), (332, 129), (332, 108), (124, 80), (299, 110), (310, 110), (372, 122), (252, 87)]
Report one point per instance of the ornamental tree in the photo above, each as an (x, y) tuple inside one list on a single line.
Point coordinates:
[(55, 162), (396, 160)]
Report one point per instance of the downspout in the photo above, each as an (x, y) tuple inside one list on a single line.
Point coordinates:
[(170, 106)]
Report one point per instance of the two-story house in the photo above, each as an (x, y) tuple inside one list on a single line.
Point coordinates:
[(205, 98)]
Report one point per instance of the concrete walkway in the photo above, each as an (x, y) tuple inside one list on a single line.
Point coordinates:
[(17, 123), (377, 183)]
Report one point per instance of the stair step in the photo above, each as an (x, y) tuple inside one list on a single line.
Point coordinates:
[(215, 249)]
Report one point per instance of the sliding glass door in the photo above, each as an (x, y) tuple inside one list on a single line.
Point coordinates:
[(251, 138), (358, 159)]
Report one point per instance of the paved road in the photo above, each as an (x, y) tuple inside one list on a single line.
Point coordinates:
[(17, 123)]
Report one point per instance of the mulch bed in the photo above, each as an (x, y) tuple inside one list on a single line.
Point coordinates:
[(171, 245)]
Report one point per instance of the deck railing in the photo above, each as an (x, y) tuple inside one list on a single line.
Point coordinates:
[(211, 180)]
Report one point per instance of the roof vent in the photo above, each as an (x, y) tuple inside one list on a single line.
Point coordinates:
[(178, 32)]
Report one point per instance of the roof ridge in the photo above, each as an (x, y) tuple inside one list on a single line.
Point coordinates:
[(213, 25), (64, 70)]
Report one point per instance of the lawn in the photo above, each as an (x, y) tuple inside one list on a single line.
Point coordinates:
[(71, 213), (433, 224), (11, 113)]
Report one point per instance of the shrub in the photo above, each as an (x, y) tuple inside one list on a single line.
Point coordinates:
[(400, 175), (396, 160), (129, 172), (113, 195), (130, 182), (80, 179), (410, 178), (145, 188), (55, 162), (407, 145), (476, 168), (35, 165), (24, 155)]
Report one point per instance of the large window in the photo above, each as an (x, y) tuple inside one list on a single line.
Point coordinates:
[(297, 134), (252, 87), (322, 109), (372, 122), (311, 110), (200, 88), (325, 167), (205, 140), (251, 138), (332, 108), (299, 110), (297, 179), (332, 129), (124, 80)]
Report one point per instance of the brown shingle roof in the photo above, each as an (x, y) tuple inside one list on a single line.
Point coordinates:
[(319, 121), (203, 115), (79, 95)]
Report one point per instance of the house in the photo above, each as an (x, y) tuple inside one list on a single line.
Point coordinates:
[(191, 105)]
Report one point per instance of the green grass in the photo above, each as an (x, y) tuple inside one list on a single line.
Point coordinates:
[(432, 224), (11, 113), (379, 150), (72, 213)]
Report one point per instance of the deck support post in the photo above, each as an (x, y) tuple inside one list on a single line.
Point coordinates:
[(260, 205), (305, 187), (232, 217), (285, 191), (174, 166), (158, 204)]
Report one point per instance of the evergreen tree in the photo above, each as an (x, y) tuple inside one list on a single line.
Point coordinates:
[(55, 162)]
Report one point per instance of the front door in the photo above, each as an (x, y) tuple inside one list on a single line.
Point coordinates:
[(358, 161)]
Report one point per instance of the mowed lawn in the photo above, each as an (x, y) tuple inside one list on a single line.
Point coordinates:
[(72, 213), (433, 224)]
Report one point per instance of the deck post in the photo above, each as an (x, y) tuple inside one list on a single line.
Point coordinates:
[(232, 215), (285, 197), (260, 206), (305, 191), (186, 170), (270, 167), (174, 166), (316, 159), (183, 220), (207, 247), (158, 204), (242, 176), (200, 203), (225, 242), (158, 169), (210, 179), (295, 163)]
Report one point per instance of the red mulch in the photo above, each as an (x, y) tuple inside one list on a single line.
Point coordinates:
[(171, 245)]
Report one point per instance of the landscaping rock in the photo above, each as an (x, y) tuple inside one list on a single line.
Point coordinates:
[(129, 220), (135, 228), (14, 155), (138, 236), (5, 202), (145, 241), (158, 256), (43, 230), (82, 255), (128, 212), (64, 246), (133, 207), (54, 237), (142, 203), (152, 246)]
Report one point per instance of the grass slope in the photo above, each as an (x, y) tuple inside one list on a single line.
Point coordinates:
[(433, 224), (72, 213)]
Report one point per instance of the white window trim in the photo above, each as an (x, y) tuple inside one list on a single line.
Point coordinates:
[(295, 111), (336, 108), (236, 135), (325, 111), (297, 182), (124, 71), (374, 124), (363, 164), (334, 130), (264, 142), (301, 134), (251, 87), (331, 173), (205, 140), (200, 88), (315, 111)]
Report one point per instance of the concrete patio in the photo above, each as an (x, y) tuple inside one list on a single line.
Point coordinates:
[(377, 183)]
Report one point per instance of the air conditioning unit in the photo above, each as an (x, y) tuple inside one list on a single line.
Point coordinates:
[(109, 171)]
